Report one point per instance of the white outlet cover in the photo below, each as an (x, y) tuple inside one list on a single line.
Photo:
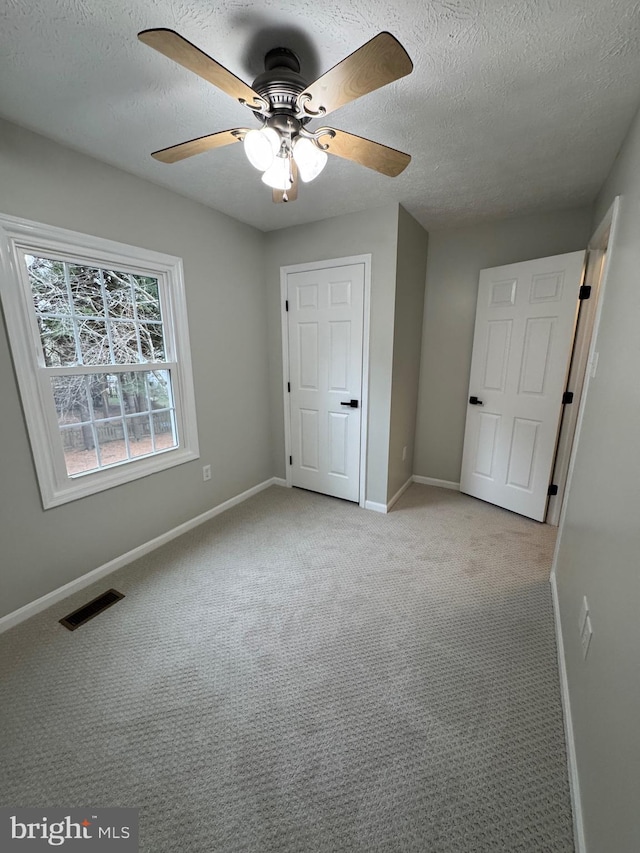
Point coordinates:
[(585, 639)]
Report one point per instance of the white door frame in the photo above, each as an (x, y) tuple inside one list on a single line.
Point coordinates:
[(603, 238), (364, 404), (580, 364)]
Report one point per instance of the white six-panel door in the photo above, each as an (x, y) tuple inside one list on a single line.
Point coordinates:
[(325, 327), (525, 320)]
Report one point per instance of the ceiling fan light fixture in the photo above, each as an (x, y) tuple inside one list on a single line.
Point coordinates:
[(278, 175), (261, 147), (310, 159)]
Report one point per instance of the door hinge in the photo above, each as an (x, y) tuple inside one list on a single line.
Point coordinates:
[(291, 460), (289, 387), (286, 304), (585, 291), (552, 490), (567, 398)]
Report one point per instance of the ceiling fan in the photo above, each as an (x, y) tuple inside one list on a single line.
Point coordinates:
[(284, 149)]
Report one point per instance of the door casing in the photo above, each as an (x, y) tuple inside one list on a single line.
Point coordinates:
[(601, 241), (364, 405)]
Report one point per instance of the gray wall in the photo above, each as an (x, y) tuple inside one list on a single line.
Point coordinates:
[(456, 257), (226, 305), (407, 340), (599, 554), (372, 232)]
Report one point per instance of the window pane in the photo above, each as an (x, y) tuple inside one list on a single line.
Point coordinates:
[(70, 397), (147, 298), (164, 430), (86, 290), (152, 342), (58, 341), (134, 392), (101, 392), (79, 450), (119, 293), (48, 285), (125, 343), (159, 384), (113, 447), (139, 429), (94, 343)]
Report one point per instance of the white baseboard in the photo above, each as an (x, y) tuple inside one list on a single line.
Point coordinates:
[(572, 764), (56, 595), (375, 506), (431, 481), (399, 493), (415, 478)]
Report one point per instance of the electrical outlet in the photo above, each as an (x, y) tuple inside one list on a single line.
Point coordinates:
[(404, 453), (584, 612), (206, 472), (585, 637)]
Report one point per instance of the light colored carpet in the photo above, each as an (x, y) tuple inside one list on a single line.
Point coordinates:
[(301, 675)]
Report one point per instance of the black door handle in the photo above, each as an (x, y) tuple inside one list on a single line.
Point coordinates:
[(475, 402), (353, 404)]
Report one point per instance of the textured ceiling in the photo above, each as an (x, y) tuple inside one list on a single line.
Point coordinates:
[(513, 107)]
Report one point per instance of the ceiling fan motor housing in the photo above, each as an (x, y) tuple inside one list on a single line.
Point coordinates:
[(281, 83)]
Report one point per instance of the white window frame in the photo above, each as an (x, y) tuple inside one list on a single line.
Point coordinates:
[(19, 237)]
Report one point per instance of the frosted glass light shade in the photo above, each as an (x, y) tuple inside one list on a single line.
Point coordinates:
[(261, 147), (278, 175), (310, 159)]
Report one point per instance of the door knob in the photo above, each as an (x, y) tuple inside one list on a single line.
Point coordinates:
[(353, 404), (475, 402)]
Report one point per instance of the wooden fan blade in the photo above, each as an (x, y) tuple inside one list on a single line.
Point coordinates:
[(197, 146), (378, 62), (292, 194), (176, 47), (371, 154)]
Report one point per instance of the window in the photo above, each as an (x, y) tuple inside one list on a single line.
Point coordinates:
[(100, 345)]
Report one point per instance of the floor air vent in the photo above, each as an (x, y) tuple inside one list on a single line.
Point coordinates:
[(88, 611)]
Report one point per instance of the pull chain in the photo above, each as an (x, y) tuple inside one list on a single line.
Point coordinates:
[(285, 195)]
